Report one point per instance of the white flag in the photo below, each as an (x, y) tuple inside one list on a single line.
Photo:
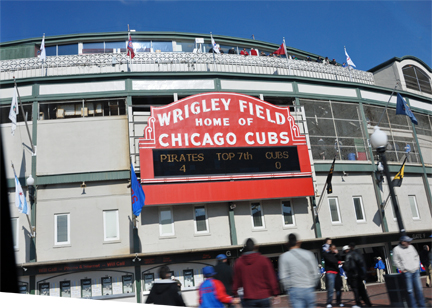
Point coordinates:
[(14, 110), (214, 45), (349, 61), (42, 49), (20, 200)]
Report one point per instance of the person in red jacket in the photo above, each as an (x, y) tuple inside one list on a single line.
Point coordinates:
[(256, 275), (244, 52)]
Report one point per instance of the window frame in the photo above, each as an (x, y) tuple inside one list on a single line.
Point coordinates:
[(68, 242), (413, 197), (338, 211), (117, 238), (262, 216), (172, 222), (292, 214), (206, 219), (361, 207)]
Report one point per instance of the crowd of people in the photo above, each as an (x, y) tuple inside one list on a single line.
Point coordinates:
[(253, 282)]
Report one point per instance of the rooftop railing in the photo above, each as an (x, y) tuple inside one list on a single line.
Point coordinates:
[(177, 62)]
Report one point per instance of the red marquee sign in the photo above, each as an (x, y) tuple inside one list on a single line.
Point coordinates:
[(220, 141)]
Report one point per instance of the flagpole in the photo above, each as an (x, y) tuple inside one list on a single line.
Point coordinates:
[(286, 55), (25, 118), (28, 219), (130, 55), (348, 66), (391, 95), (43, 60), (213, 51)]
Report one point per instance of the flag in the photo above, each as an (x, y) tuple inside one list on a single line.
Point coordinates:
[(130, 52), (20, 200), (403, 108), (397, 180), (14, 111), (214, 45), (329, 177), (42, 49), (349, 61), (138, 195), (281, 50)]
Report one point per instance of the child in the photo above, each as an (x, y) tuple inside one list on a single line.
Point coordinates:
[(212, 292)]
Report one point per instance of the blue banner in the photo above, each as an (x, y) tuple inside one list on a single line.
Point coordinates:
[(403, 108), (138, 196)]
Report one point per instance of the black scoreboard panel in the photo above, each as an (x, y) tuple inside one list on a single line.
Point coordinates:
[(224, 161)]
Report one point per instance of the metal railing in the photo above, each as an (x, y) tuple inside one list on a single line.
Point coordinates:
[(177, 62)]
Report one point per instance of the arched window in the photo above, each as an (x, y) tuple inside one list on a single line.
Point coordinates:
[(416, 79)]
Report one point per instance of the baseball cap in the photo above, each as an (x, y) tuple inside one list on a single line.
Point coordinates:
[(405, 238), (221, 257), (208, 271), (346, 247)]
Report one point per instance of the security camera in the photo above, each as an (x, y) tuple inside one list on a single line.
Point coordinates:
[(232, 205), (83, 185)]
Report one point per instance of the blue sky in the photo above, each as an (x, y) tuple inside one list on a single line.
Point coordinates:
[(372, 31)]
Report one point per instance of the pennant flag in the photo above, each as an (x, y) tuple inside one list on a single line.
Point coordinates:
[(329, 177), (281, 50), (130, 49), (397, 181), (214, 45), (14, 111), (349, 61), (20, 200), (403, 108), (42, 49), (138, 196)]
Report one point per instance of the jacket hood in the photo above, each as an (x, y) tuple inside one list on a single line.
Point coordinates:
[(250, 258), (161, 286)]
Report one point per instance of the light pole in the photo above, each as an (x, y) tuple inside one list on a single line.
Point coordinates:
[(379, 141)]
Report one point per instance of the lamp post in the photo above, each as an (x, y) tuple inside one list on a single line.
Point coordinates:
[(379, 141)]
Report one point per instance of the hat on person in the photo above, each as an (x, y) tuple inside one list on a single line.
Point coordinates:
[(221, 257), (346, 247), (405, 238), (208, 271), (379, 258)]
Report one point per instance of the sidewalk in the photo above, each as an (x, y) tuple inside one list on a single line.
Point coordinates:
[(377, 293)]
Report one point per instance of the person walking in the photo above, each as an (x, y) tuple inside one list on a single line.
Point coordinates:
[(165, 290), (355, 269), (334, 281), (212, 291), (407, 260), (380, 267), (298, 273), (425, 256), (256, 275), (224, 273)]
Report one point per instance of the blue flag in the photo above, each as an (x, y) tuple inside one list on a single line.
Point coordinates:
[(403, 108), (138, 196)]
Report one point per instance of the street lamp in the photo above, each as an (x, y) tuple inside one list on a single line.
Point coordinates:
[(379, 141)]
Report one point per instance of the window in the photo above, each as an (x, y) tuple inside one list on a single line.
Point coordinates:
[(416, 79), (44, 289), (288, 215), (148, 281), (358, 208), (15, 225), (4, 113), (166, 225), (106, 285), (334, 210), (61, 229), (127, 284), (200, 219), (111, 225), (23, 287), (86, 288), (414, 208), (65, 289), (257, 216)]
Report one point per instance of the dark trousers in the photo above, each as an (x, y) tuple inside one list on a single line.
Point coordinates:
[(359, 291), (265, 302)]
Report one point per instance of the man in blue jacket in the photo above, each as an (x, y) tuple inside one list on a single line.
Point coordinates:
[(380, 267)]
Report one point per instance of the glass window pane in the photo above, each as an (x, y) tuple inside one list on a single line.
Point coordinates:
[(162, 46), (334, 210), (89, 48), (142, 46), (86, 288), (321, 127), (358, 209), (413, 206), (106, 286), (200, 217), (257, 215), (71, 49), (345, 111), (109, 46), (287, 212), (51, 50), (317, 109), (14, 222), (166, 222), (348, 128), (111, 224), (65, 289), (373, 115), (62, 228)]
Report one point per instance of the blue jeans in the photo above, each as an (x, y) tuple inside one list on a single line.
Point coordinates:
[(413, 285), (333, 282), (302, 297), (265, 302)]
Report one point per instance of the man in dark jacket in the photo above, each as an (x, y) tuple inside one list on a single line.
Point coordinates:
[(224, 273), (256, 275), (334, 282), (355, 268), (165, 290), (425, 260)]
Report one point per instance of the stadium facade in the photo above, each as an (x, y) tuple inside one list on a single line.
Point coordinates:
[(226, 147)]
